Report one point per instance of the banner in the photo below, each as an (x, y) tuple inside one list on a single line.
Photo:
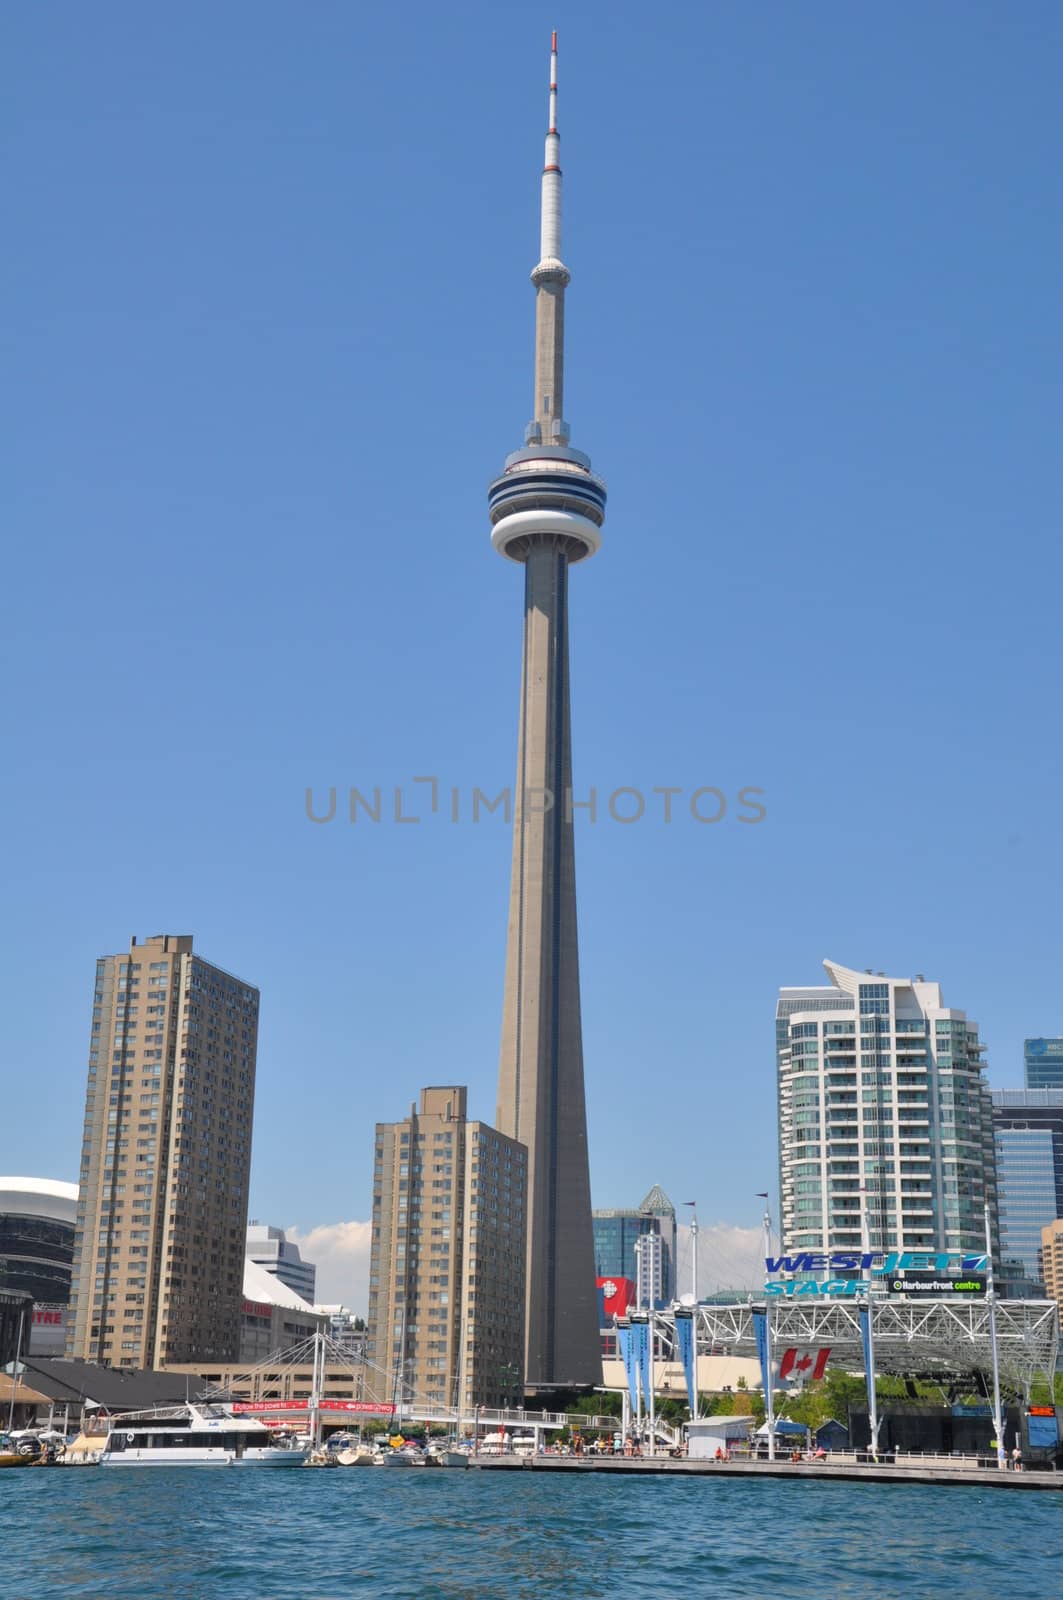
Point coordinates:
[(760, 1333), (685, 1340), (365, 1408), (373, 1408), (640, 1335), (807, 1364), (627, 1356), (865, 1339)]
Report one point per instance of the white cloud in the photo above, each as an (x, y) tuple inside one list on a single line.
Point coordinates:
[(728, 1258), (340, 1251)]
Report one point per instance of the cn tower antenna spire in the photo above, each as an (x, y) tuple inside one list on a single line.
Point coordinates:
[(550, 236), (550, 277)]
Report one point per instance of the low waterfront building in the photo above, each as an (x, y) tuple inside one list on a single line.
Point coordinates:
[(716, 1374), (273, 1317), (73, 1388), (283, 1380)]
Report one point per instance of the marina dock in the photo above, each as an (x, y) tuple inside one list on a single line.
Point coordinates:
[(967, 1476)]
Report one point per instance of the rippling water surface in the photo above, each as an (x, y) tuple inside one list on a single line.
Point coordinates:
[(182, 1534)]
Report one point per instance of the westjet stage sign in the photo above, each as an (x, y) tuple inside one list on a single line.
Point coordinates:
[(882, 1264)]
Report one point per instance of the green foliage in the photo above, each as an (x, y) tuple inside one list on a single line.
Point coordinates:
[(811, 1407), (1042, 1395), (606, 1404)]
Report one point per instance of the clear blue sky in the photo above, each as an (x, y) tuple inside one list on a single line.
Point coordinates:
[(268, 330)]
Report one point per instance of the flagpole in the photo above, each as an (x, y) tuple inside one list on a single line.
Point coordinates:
[(653, 1400), (991, 1298), (694, 1291), (872, 1397), (694, 1250), (769, 1394)]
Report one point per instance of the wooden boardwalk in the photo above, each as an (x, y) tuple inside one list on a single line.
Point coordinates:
[(964, 1476)]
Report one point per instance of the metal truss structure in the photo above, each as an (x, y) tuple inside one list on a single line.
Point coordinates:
[(927, 1339)]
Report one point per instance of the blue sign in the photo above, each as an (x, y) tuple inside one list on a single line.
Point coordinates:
[(627, 1356), (877, 1260), (684, 1338), (760, 1332)]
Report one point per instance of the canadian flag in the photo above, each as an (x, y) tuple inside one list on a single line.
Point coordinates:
[(809, 1365)]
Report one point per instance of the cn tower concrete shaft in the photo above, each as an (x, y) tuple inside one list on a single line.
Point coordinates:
[(540, 1090), (547, 510)]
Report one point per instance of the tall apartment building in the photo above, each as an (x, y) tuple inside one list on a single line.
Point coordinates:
[(447, 1262), (271, 1248), (883, 1105), (1052, 1260), (162, 1210), (619, 1252), (1028, 1126), (1043, 1063)]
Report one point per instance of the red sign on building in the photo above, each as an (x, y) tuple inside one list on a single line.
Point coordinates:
[(616, 1294)]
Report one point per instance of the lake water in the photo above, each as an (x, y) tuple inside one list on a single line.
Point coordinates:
[(183, 1534)]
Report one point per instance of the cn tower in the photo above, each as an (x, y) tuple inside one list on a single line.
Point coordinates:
[(546, 512)]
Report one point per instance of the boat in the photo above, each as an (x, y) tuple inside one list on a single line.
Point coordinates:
[(19, 1450), (453, 1458), (348, 1450), (196, 1436)]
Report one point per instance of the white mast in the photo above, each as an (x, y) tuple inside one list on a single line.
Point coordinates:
[(550, 277), (991, 1299), (769, 1392), (694, 1291), (872, 1397), (316, 1387), (550, 209)]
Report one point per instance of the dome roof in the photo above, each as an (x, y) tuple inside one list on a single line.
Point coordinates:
[(39, 1197)]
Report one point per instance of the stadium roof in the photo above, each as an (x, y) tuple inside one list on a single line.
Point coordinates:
[(39, 1197)]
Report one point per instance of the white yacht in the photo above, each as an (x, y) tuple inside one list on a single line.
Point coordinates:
[(196, 1436)]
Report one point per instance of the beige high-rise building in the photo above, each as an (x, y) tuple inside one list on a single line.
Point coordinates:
[(447, 1265), (162, 1211), (1052, 1260)]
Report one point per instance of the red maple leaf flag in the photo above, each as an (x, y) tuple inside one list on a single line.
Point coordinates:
[(807, 1364)]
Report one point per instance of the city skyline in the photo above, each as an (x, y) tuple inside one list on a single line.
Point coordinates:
[(799, 431)]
